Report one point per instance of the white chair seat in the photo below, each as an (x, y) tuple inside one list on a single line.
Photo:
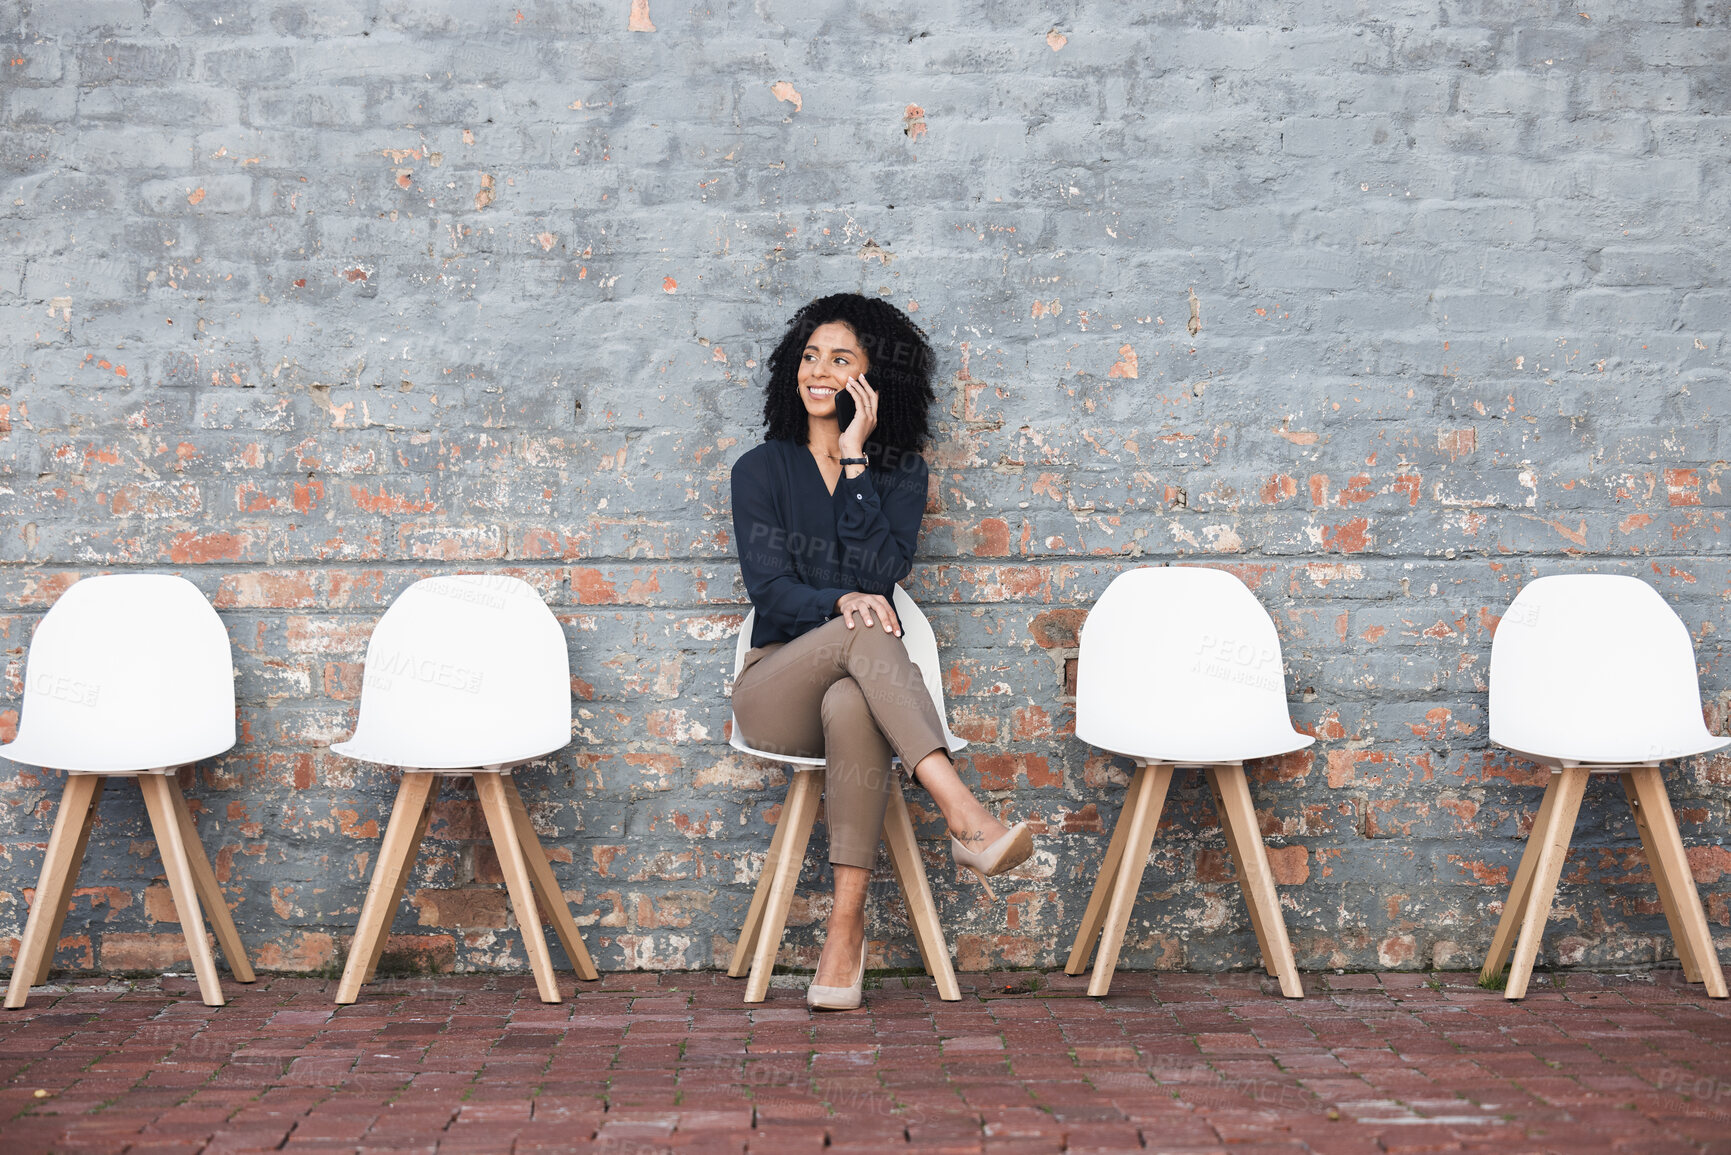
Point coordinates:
[(127, 674), (463, 671), (791, 759), (1596, 670), (1182, 665)]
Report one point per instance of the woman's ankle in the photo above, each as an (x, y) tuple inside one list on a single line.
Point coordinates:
[(844, 942), (846, 924), (979, 830)]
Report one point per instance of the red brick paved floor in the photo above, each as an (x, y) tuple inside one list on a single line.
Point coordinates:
[(641, 1064)]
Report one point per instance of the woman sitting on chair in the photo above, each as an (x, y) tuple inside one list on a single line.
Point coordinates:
[(826, 512)]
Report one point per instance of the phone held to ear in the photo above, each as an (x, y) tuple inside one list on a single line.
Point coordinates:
[(844, 409)]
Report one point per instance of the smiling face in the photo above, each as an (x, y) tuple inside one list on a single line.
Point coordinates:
[(832, 355)]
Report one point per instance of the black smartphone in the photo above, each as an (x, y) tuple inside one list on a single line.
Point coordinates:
[(844, 408)]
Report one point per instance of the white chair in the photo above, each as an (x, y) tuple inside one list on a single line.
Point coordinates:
[(1594, 674), (760, 937), (1180, 666), (466, 674), (128, 676)]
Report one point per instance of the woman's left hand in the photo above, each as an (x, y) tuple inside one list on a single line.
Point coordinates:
[(865, 417)]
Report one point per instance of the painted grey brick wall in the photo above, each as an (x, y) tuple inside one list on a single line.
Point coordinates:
[(307, 300)]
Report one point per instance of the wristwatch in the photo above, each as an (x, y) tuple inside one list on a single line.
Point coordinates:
[(847, 461)]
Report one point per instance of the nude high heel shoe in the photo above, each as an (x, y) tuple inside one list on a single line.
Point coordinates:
[(1010, 850), (838, 998)]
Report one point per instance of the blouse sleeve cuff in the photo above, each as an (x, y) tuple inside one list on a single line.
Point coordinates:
[(860, 489)]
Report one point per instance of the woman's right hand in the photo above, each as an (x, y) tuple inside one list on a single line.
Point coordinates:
[(868, 606)]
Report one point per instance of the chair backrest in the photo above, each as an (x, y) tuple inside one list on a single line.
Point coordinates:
[(463, 671), (922, 647), (1182, 664), (1595, 668), (127, 672)]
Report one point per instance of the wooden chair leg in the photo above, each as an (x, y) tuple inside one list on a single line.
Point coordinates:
[(1689, 926), (1143, 820), (209, 891), (1235, 846), (547, 887), (72, 823), (1553, 840), (1231, 792), (62, 902), (1657, 864), (171, 845), (513, 864), (910, 872), (409, 854), (1095, 916), (740, 965), (407, 826), (1520, 891), (799, 812)]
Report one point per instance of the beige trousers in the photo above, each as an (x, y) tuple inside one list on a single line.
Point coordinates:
[(853, 698)]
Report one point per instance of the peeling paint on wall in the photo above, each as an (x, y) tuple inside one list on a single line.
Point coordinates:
[(475, 288)]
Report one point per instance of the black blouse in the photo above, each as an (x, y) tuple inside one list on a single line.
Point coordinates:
[(801, 548)]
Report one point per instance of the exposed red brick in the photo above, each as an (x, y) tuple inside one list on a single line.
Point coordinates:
[(591, 589), (1214, 865), (122, 951), (342, 680), (990, 538), (1290, 865), (304, 951), (419, 953), (974, 724), (1059, 628), (1006, 771), (192, 548), (1709, 863), (1682, 486), (469, 906), (268, 589), (1278, 488), (159, 904), (1086, 820), (1457, 443), (1347, 537), (1028, 723)]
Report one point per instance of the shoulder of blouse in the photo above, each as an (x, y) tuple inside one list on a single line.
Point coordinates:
[(758, 461)]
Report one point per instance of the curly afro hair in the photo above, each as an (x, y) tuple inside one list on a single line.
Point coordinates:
[(901, 364)]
